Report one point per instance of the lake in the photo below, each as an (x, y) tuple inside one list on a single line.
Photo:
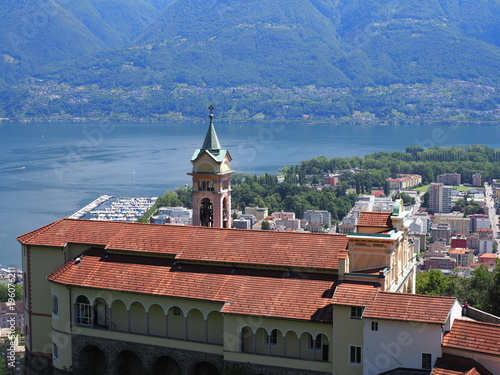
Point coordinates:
[(50, 170)]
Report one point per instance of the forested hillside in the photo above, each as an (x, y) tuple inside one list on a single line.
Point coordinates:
[(292, 42), (37, 33)]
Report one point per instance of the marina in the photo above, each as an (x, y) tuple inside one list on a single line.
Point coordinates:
[(85, 210), (123, 209)]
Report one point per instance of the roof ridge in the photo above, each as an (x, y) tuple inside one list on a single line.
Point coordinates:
[(467, 321)]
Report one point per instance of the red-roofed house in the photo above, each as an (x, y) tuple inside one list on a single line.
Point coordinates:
[(489, 259)]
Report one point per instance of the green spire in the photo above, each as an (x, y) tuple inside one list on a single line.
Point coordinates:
[(211, 141)]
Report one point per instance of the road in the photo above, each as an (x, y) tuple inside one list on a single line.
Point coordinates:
[(490, 202)]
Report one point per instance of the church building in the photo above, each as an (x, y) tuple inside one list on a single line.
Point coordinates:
[(106, 297)]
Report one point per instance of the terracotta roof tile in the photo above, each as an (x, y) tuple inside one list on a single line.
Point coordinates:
[(375, 219), (455, 365), (243, 291), (352, 294), (474, 336), (307, 250), (410, 307)]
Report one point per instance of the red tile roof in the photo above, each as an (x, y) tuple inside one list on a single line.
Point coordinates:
[(410, 307), (242, 291), (474, 336), (306, 250), (455, 365), (375, 219), (352, 294)]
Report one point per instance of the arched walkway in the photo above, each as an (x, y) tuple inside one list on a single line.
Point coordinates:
[(196, 326), (157, 321), (128, 363), (166, 366), (138, 318), (215, 331), (119, 315), (205, 368), (92, 361)]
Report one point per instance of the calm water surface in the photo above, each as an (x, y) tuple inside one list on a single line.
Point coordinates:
[(48, 171)]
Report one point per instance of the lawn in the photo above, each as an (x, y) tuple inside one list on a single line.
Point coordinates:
[(459, 188)]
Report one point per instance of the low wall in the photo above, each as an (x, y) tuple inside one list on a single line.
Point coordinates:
[(481, 316)]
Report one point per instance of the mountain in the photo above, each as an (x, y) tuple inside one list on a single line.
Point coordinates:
[(36, 33), (264, 42)]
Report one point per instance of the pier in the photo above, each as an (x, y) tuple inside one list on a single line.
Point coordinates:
[(91, 206)]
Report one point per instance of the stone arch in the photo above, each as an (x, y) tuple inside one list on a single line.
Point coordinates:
[(92, 361), (196, 326), (260, 341), (83, 310), (206, 213), (291, 349), (226, 212), (176, 323), (76, 297), (247, 338), (306, 346), (138, 318), (322, 346), (119, 315), (101, 313), (205, 368), (157, 321), (128, 363), (215, 328), (165, 365)]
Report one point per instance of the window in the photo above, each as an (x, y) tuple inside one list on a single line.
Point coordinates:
[(356, 312), (55, 305), (83, 311), (314, 344), (355, 354), (176, 311), (272, 339), (426, 361), (55, 352), (374, 326)]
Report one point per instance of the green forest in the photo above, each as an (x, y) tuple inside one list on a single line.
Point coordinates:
[(481, 290)]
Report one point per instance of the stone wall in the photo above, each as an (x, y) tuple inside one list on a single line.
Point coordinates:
[(149, 354)]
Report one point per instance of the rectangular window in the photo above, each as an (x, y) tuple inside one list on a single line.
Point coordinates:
[(356, 312), (426, 361), (55, 305), (83, 314), (355, 354), (55, 352), (272, 339), (374, 326), (176, 311)]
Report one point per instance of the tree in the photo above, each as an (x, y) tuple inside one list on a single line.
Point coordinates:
[(407, 200), (266, 225), (4, 292)]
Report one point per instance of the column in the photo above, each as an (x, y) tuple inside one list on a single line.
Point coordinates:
[(110, 319), (166, 325), (128, 311)]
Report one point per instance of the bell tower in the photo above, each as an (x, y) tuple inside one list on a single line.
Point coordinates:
[(211, 182)]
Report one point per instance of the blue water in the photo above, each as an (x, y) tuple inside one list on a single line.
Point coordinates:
[(48, 170)]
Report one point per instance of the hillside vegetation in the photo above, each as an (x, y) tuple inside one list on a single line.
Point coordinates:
[(297, 42)]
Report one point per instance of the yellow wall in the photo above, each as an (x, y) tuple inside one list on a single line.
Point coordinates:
[(346, 332), (43, 261)]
